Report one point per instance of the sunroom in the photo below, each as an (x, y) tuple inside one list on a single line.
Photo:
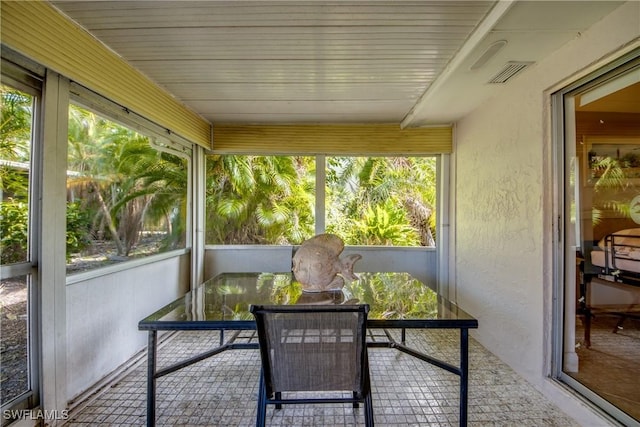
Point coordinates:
[(486, 148)]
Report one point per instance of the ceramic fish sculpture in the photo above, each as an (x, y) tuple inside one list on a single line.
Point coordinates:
[(318, 267)]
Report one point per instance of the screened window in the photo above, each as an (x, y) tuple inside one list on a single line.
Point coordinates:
[(126, 193), (367, 200)]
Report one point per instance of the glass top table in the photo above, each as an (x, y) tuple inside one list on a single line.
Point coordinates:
[(396, 300)]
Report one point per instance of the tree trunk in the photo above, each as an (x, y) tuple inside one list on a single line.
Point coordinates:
[(419, 215), (110, 224)]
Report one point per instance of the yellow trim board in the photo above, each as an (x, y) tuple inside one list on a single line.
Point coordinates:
[(356, 139)]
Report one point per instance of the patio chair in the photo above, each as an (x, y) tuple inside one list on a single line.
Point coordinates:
[(313, 350)]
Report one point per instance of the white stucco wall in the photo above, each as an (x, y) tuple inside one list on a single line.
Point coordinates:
[(503, 202), (103, 315)]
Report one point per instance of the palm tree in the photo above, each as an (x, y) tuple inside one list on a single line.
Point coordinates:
[(122, 178), (15, 142), (15, 150), (382, 200), (259, 199), (167, 178)]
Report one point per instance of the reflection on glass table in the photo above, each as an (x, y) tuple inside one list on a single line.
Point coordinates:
[(392, 296)]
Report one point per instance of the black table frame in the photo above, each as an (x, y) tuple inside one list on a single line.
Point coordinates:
[(237, 326)]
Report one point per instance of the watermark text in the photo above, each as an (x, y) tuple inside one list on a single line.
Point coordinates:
[(35, 414)]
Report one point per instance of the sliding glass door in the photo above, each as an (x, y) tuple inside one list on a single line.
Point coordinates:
[(598, 318)]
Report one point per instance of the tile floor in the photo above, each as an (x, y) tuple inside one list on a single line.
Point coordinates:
[(221, 391)]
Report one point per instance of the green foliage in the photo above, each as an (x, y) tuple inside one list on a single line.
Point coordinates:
[(14, 221), (391, 295), (15, 142), (270, 200), (15, 127), (382, 200), (78, 227), (259, 199), (383, 224), (394, 295), (14, 229), (613, 181)]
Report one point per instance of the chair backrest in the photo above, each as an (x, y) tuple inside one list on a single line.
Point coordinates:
[(312, 347)]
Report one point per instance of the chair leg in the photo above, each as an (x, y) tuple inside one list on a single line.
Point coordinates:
[(587, 327), (278, 396), (368, 402), (619, 324), (355, 404), (368, 411), (261, 415)]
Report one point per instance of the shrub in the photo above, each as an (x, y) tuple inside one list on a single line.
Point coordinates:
[(78, 225), (14, 230), (14, 220)]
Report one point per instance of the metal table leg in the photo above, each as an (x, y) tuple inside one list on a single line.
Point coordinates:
[(151, 378), (462, 371), (464, 375)]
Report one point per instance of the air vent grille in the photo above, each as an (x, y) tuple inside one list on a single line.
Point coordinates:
[(509, 70)]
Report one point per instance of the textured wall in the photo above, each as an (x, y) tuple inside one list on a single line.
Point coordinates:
[(503, 200), (499, 227)]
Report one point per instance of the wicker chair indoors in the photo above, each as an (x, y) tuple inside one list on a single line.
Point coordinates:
[(313, 350)]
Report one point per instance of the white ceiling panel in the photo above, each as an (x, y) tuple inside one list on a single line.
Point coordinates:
[(329, 61), (297, 117), (294, 91), (304, 107)]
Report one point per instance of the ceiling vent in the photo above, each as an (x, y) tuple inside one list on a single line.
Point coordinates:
[(509, 70)]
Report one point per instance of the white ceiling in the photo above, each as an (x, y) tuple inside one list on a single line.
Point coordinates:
[(405, 62)]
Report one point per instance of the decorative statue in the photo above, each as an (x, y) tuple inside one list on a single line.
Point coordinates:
[(317, 266)]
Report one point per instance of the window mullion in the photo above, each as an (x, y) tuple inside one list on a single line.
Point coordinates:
[(321, 177)]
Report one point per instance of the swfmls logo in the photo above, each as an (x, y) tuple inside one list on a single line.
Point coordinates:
[(35, 414)]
